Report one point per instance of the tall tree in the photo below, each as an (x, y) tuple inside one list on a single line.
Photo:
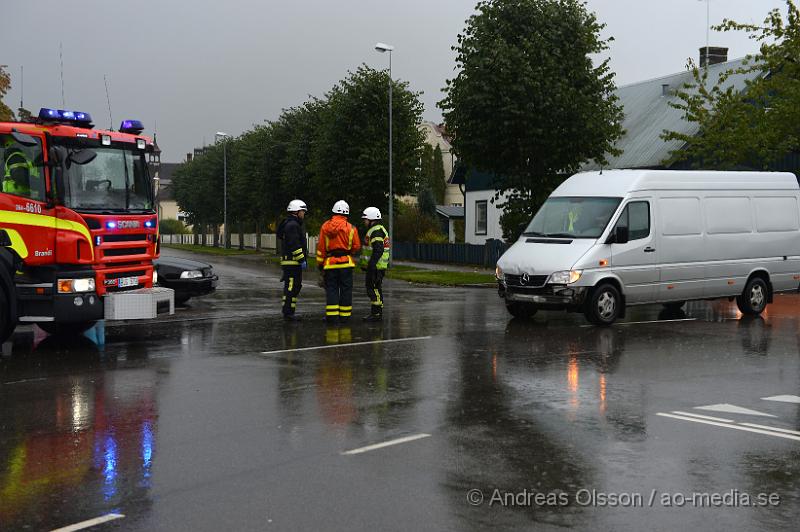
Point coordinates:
[(6, 113), (528, 103), (754, 127), (349, 157)]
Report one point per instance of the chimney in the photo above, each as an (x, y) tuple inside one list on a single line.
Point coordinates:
[(716, 55), (665, 89), (188, 157)]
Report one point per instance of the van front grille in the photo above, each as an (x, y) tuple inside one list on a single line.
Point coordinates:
[(526, 281)]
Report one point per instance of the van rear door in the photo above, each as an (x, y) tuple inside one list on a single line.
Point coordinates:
[(635, 261)]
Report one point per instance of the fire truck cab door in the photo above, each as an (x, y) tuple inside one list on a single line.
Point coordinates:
[(26, 214)]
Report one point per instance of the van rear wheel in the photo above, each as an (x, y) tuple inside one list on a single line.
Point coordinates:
[(522, 310), (604, 305), (753, 299)]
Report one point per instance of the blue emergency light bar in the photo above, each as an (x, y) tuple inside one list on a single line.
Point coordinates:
[(131, 126), (64, 116)]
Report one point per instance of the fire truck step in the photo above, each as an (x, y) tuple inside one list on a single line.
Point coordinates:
[(34, 319)]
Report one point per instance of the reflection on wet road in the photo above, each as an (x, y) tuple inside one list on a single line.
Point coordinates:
[(448, 416)]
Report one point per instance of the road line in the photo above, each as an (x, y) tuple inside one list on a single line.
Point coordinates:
[(732, 426), (767, 427), (721, 420), (89, 523), (27, 380), (655, 321), (783, 398), (728, 408), (389, 443), (351, 344)]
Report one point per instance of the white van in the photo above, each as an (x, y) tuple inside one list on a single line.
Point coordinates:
[(606, 240)]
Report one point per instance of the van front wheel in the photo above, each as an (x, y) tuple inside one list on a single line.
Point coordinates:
[(753, 299), (604, 305)]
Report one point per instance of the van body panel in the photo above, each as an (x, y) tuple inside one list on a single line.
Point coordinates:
[(709, 232)]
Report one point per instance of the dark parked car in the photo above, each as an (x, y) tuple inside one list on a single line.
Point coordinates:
[(188, 278)]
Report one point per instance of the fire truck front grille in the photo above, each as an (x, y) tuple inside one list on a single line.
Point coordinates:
[(124, 238), (118, 275), (121, 252)]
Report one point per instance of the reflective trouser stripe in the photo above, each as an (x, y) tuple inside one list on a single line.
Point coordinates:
[(345, 311), (332, 310), (378, 301), (291, 284)]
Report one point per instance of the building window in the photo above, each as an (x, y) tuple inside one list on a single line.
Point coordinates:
[(480, 217)]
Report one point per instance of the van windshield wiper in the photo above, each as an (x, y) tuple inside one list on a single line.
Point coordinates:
[(533, 233)]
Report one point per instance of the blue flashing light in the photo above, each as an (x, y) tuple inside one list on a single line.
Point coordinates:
[(63, 115), (131, 126), (148, 224), (111, 225)]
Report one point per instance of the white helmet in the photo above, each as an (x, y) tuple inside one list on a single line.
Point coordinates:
[(296, 205), (341, 207), (372, 213)]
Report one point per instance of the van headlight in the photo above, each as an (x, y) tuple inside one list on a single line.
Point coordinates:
[(191, 274), (498, 273), (565, 277)]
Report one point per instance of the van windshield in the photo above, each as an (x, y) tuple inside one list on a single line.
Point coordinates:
[(570, 217)]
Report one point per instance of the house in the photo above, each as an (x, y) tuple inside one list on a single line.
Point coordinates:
[(449, 215), (436, 136), (166, 206), (647, 110)]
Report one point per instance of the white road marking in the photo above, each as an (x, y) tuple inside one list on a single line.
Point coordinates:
[(646, 322), (722, 420), (767, 427), (732, 426), (389, 443), (331, 346), (89, 523), (732, 409), (27, 380), (783, 398)]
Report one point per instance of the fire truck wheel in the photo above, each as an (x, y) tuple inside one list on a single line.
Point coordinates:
[(66, 329), (6, 327)]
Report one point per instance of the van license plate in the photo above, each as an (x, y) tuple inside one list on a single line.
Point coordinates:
[(125, 282)]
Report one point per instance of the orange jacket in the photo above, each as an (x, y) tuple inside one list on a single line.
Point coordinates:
[(338, 243)]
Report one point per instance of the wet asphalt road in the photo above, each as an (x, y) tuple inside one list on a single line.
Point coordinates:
[(219, 417)]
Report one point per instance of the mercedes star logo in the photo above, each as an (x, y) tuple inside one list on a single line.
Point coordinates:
[(525, 278)]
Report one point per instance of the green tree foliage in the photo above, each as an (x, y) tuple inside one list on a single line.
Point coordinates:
[(759, 125), (324, 150), (6, 113), (412, 224), (171, 226), (528, 104)]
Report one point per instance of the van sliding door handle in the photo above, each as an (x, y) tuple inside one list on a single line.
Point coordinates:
[(648, 249)]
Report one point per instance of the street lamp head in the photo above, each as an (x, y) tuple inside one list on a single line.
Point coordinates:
[(221, 134), (382, 47)]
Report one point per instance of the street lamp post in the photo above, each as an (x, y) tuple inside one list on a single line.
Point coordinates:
[(225, 138), (382, 48)]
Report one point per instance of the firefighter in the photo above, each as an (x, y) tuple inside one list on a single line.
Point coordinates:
[(293, 256), (375, 260), (17, 170), (338, 243)]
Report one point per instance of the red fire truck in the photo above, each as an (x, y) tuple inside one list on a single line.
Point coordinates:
[(78, 224)]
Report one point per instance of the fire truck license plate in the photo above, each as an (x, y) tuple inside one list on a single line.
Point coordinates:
[(124, 282)]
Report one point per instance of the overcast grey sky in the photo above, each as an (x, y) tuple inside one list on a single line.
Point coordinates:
[(191, 68)]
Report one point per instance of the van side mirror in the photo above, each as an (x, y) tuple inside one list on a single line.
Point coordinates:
[(621, 235)]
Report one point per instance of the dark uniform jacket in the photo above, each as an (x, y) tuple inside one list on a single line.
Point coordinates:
[(292, 235)]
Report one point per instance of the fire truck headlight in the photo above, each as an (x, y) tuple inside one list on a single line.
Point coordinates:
[(68, 286), (191, 274), (83, 285)]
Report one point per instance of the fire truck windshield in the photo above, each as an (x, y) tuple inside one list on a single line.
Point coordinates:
[(116, 180)]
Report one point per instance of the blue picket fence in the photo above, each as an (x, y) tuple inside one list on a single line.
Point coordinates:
[(469, 254)]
